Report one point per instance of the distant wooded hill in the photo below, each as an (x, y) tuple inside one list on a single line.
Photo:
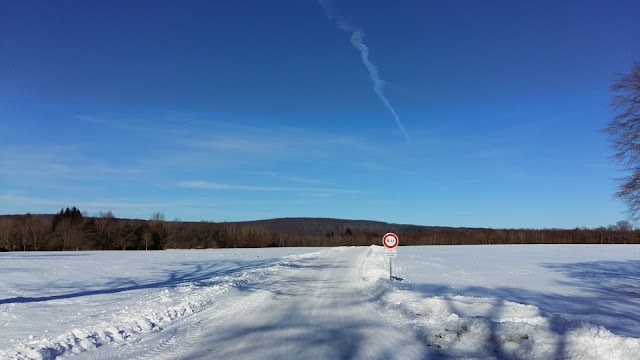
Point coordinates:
[(71, 230), (323, 226)]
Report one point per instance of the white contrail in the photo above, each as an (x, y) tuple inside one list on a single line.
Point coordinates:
[(356, 40)]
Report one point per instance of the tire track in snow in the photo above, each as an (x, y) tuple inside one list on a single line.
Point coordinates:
[(195, 332), (137, 325), (165, 348), (198, 325), (310, 311), (173, 346), (5, 316)]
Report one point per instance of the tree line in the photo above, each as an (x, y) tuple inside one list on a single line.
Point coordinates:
[(70, 229)]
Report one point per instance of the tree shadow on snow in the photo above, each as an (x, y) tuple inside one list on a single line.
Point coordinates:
[(609, 296), (195, 273), (439, 337), (611, 291), (292, 335)]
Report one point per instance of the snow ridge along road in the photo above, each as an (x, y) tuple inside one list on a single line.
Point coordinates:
[(329, 304)]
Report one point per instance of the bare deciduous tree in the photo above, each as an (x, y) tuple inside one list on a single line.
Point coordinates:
[(39, 230), (104, 222), (9, 233), (26, 226), (157, 216), (624, 132)]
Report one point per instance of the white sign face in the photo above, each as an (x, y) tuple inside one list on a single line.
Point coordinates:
[(390, 252), (390, 240)]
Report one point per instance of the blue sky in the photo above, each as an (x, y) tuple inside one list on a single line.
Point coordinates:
[(238, 110)]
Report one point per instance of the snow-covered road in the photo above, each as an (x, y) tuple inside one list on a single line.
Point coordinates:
[(313, 309), (332, 303)]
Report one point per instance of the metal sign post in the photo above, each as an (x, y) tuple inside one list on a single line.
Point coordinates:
[(390, 241)]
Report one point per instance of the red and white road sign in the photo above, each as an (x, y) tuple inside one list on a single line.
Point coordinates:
[(390, 240)]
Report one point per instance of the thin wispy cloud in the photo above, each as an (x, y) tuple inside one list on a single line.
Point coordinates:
[(46, 163), (35, 162), (272, 145), (265, 145), (375, 166), (357, 40), (189, 136), (468, 181), (206, 185), (291, 178), (601, 166), (121, 123)]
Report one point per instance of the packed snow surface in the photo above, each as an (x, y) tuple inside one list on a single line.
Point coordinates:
[(462, 302)]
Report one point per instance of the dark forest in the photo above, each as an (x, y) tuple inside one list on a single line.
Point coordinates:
[(70, 229)]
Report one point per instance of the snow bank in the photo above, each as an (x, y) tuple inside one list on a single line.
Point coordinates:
[(481, 328), (146, 314)]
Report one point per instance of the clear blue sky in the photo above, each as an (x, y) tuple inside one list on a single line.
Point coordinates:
[(237, 109)]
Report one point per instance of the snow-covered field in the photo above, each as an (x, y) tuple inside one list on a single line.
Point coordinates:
[(526, 302)]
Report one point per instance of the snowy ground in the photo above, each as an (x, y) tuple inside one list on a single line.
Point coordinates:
[(475, 302)]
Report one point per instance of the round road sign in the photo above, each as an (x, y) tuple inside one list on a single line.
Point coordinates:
[(390, 240)]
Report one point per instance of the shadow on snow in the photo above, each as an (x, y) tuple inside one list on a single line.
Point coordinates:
[(609, 294), (198, 273), (289, 327)]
